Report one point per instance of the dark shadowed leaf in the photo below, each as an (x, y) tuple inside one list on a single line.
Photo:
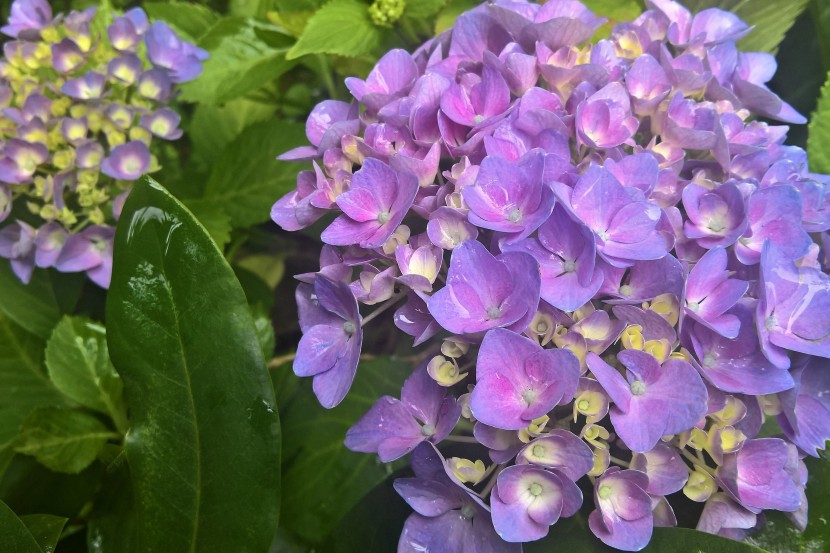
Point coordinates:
[(46, 529), (818, 143), (192, 19), (37, 306), (14, 536), (203, 448), (322, 480)]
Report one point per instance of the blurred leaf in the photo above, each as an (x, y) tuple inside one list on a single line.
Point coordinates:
[(111, 527), (244, 55), (192, 19), (448, 15), (14, 536), (771, 19), (33, 306), (821, 16), (423, 8), (256, 291), (818, 143), (371, 530), (617, 11), (214, 218), (23, 382), (269, 267), (322, 480), (63, 440), (572, 534), (340, 27), (203, 449), (264, 331), (214, 127), (79, 366), (45, 529), (251, 8), (247, 179)]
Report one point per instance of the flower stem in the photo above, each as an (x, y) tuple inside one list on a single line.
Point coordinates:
[(489, 487), (389, 303), (697, 462), (620, 462), (461, 439)]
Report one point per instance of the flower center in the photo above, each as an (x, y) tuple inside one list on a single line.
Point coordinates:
[(493, 312), (467, 512), (529, 396), (770, 323), (383, 217), (693, 305), (535, 489), (541, 327), (538, 450), (348, 327), (603, 235), (709, 360), (583, 404), (638, 387), (604, 492), (717, 224), (626, 290), (515, 215), (428, 430), (569, 266), (478, 119)]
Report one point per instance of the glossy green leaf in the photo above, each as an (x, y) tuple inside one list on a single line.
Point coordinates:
[(340, 27), (79, 365), (247, 179), (14, 536), (63, 440), (45, 529), (24, 384), (33, 306), (771, 19), (192, 19), (264, 331), (244, 55), (818, 143), (203, 449), (322, 480)]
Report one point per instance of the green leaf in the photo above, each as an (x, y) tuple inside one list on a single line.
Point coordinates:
[(244, 56), (14, 536), (818, 143), (771, 19), (617, 11), (193, 20), (214, 127), (322, 480), (33, 306), (340, 27), (79, 365), (46, 529), (63, 440), (247, 179), (423, 8), (23, 382), (203, 449), (264, 331), (214, 218), (448, 15)]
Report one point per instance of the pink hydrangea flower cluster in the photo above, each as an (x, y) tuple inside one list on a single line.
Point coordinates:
[(620, 270)]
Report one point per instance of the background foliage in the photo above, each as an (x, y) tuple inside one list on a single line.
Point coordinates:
[(146, 419)]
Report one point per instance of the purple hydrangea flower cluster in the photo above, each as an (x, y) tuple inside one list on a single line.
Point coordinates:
[(620, 271), (81, 101)]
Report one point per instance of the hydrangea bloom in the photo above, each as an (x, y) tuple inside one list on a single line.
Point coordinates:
[(73, 143), (613, 258)]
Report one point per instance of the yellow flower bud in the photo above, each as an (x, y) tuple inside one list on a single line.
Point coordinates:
[(602, 459), (467, 471), (632, 337), (700, 485), (444, 372)]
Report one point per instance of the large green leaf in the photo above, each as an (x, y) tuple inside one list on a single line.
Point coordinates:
[(340, 27), (192, 19), (79, 365), (23, 382), (46, 529), (14, 536), (203, 449), (63, 440), (818, 143), (244, 55), (247, 179), (771, 19), (322, 480)]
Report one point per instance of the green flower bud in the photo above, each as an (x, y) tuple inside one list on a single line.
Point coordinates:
[(385, 13)]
